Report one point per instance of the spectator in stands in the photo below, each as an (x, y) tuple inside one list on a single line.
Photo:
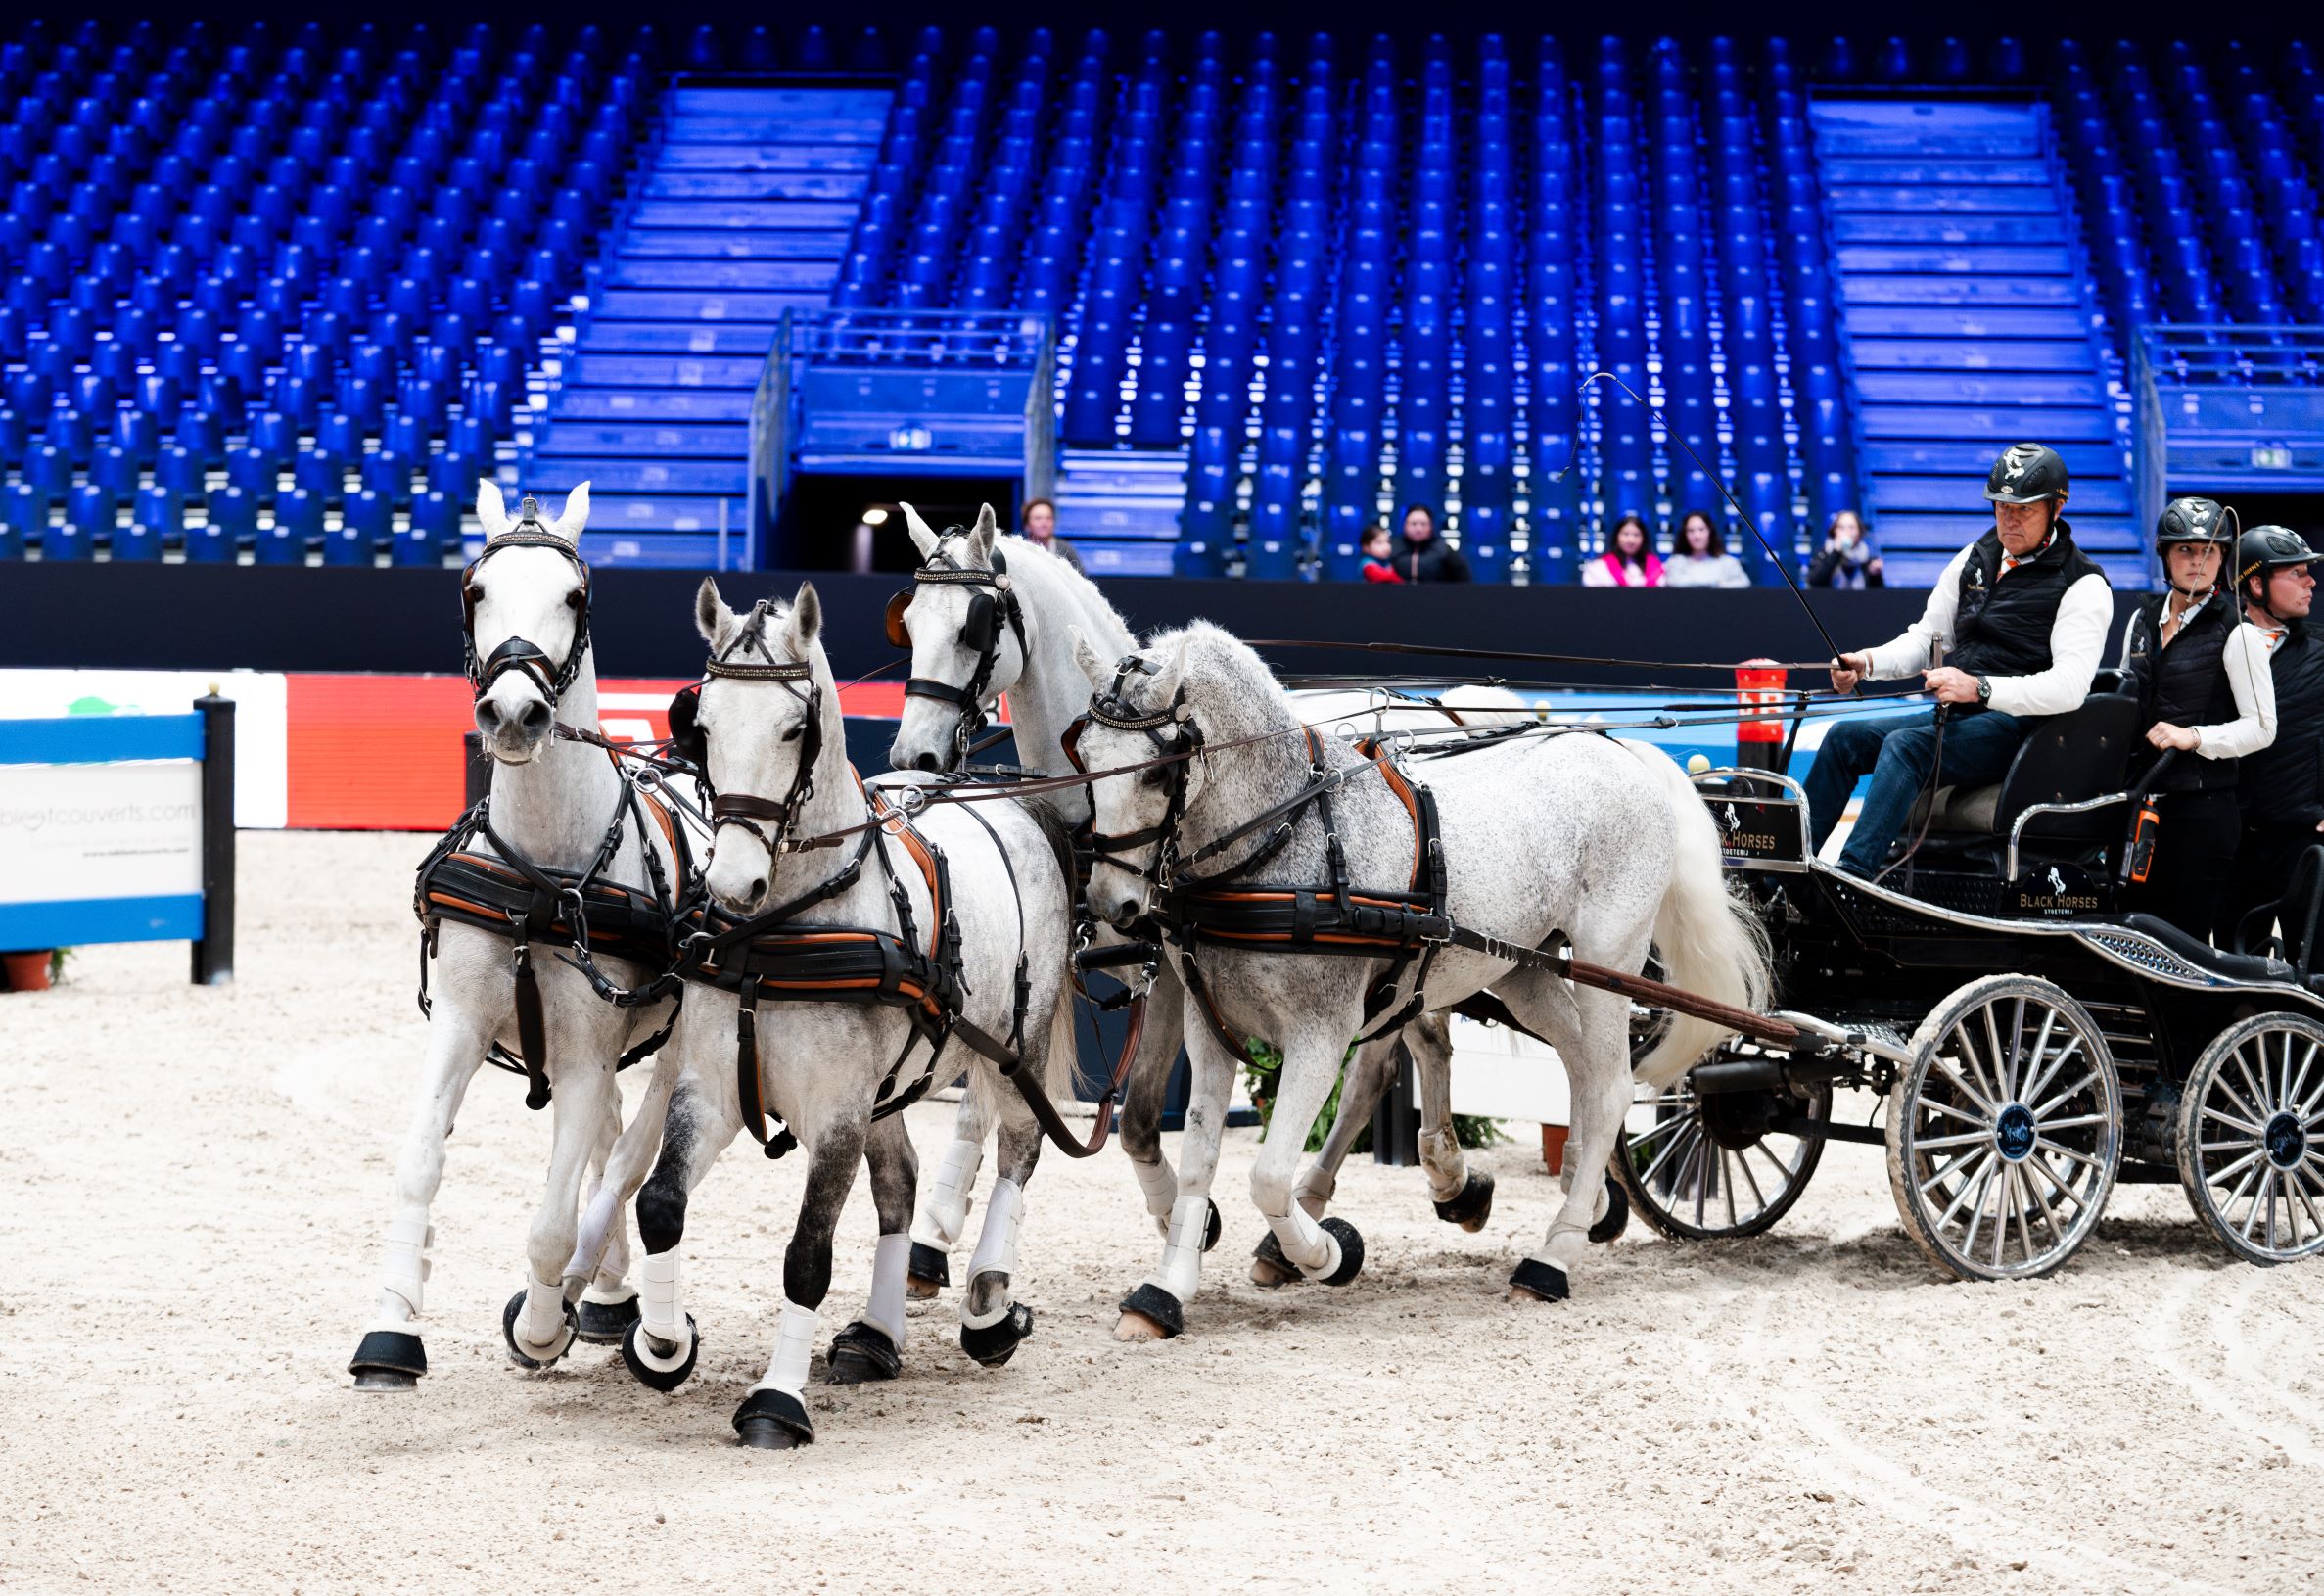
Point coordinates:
[(1421, 555), (1041, 530), (1379, 559), (1849, 558), (2018, 619), (1701, 560), (1629, 560)]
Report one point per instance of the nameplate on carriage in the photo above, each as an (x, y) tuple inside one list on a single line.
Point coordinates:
[(1760, 834), (2058, 891)]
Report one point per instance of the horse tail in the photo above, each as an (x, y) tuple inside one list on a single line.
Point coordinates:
[(1480, 705), (1708, 938)]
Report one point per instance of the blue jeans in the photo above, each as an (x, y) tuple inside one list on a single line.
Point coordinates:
[(1899, 750)]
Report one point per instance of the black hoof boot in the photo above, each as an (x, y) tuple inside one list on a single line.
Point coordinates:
[(863, 1354), (1270, 1269), (774, 1422), (996, 1342), (1542, 1282), (1154, 1304), (1617, 1214), (1212, 1228), (526, 1360), (634, 1353), (602, 1323), (388, 1360), (929, 1268), (1471, 1205), (1351, 1250)]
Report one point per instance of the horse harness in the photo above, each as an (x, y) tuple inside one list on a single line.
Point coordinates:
[(993, 606), (505, 893), (1408, 927)]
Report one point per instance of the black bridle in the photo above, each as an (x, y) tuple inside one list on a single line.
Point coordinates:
[(520, 653), (689, 742), (1177, 740), (991, 607)]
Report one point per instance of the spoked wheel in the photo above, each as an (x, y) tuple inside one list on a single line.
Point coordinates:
[(2252, 1138), (2005, 1131), (1699, 1168)]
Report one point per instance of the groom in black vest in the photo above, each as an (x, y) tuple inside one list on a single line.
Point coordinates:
[(2018, 618)]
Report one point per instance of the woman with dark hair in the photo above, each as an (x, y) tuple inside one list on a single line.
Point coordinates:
[(1629, 560), (1421, 555), (1849, 558), (1701, 559)]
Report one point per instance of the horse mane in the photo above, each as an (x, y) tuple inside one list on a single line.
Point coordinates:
[(1230, 689), (1090, 605)]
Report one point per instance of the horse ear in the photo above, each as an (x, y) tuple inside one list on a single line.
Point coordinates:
[(1097, 670), (712, 618), (1173, 676), (806, 622), (489, 510), (576, 515), (986, 529), (923, 536)]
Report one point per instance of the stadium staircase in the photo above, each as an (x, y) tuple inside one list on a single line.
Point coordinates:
[(1970, 319), (748, 199)]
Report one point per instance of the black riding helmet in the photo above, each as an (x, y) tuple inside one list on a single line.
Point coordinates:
[(2026, 474), (2267, 549), (2197, 521)]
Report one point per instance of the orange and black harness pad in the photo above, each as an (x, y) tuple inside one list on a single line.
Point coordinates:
[(769, 958), (1405, 928)]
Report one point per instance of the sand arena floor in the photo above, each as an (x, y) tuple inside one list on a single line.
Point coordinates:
[(192, 1183)]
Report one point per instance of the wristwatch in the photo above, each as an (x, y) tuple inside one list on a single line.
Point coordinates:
[(1984, 690)]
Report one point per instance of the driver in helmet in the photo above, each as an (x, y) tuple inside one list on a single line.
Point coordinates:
[(2207, 699), (2013, 632), (2281, 787)]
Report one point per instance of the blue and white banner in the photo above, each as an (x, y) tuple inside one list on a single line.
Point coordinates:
[(100, 830)]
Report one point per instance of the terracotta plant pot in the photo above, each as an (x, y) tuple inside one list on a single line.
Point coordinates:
[(1553, 1148), (26, 971)]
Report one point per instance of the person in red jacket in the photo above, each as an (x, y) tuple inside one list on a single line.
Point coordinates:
[(1378, 564)]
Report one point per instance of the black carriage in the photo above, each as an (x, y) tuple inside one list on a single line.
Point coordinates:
[(2033, 1045)]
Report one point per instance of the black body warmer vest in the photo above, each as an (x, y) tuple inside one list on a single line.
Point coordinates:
[(2002, 628), (2283, 784), (2185, 683)]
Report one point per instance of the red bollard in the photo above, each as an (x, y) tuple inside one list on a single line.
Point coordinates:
[(1759, 744)]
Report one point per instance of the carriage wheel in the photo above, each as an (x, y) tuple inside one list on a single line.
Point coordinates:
[(1702, 1168), (2251, 1137), (2005, 1130)]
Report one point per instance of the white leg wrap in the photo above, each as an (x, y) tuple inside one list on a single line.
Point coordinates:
[(543, 1323), (660, 1314), (1315, 1189), (794, 1344), (404, 1271), (1182, 1254), (996, 1248), (944, 1212), (1304, 1241), (1160, 1185), (888, 1265), (589, 1246)]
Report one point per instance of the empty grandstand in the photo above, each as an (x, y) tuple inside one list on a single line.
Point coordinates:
[(282, 294)]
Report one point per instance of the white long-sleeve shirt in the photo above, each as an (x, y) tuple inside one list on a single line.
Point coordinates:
[(2078, 637), (2249, 676)]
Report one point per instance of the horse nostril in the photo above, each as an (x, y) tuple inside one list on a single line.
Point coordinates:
[(925, 762), (487, 718), (757, 889), (535, 719)]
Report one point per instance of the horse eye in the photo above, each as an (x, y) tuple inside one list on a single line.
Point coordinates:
[(792, 735), (474, 592), (572, 600)]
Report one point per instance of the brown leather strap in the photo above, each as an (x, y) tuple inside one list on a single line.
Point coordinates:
[(1044, 1111)]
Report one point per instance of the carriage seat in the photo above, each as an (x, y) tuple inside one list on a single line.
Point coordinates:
[(2067, 759), (2233, 966)]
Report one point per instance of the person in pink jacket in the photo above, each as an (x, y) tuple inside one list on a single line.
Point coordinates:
[(1629, 560)]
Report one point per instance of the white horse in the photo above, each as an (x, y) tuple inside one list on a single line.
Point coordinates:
[(556, 804), (1570, 833), (1030, 658), (769, 722)]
